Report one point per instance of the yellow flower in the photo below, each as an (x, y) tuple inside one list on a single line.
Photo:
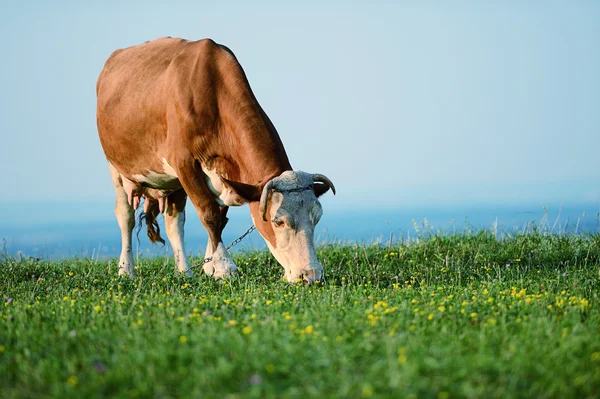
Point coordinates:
[(402, 356), (72, 380), (309, 329), (430, 317), (473, 315), (247, 330), (2, 348), (441, 308), (97, 308), (367, 391), (232, 323), (140, 322), (183, 339)]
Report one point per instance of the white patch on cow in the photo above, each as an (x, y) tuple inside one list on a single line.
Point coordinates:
[(214, 182), (156, 180), (221, 265), (168, 168), (224, 195), (295, 248), (301, 211)]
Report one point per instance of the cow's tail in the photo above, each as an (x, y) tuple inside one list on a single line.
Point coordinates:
[(149, 217)]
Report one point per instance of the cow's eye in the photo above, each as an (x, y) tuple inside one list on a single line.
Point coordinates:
[(278, 222)]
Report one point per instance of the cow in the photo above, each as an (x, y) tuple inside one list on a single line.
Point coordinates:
[(178, 119)]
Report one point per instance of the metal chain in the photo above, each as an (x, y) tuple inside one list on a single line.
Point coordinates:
[(238, 240), (233, 243)]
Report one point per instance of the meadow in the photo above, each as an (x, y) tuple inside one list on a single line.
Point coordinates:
[(438, 316)]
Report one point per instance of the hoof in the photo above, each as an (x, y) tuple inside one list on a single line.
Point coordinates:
[(126, 273), (225, 271)]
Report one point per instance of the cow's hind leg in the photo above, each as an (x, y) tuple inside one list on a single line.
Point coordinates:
[(126, 219), (174, 222)]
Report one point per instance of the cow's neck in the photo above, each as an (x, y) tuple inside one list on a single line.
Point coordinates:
[(256, 148)]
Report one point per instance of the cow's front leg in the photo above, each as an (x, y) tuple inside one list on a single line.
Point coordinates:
[(216, 268), (212, 216)]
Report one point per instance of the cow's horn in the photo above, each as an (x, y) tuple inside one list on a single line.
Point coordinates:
[(264, 199), (323, 179)]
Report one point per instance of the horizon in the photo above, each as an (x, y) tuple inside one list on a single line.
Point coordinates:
[(78, 230)]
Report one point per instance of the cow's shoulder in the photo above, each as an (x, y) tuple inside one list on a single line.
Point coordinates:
[(202, 53), (199, 67)]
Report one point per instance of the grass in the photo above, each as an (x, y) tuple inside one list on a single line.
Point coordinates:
[(461, 315)]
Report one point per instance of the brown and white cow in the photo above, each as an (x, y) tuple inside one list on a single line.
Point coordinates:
[(178, 119)]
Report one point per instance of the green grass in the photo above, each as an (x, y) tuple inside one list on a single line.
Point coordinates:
[(464, 315)]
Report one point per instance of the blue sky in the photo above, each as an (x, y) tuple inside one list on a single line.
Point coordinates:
[(400, 103)]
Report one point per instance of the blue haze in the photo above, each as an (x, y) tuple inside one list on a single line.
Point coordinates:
[(55, 236)]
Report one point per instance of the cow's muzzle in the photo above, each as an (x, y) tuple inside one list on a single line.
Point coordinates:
[(308, 276)]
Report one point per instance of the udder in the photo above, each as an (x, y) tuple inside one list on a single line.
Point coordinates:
[(152, 187)]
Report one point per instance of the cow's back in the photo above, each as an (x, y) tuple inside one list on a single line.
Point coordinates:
[(132, 97)]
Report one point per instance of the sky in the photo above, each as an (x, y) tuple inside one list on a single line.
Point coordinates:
[(400, 103)]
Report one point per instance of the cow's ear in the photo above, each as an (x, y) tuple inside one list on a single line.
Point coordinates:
[(320, 189), (248, 192)]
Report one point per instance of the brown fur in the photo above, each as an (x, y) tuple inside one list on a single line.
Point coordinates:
[(190, 103)]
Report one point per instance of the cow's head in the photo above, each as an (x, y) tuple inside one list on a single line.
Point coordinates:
[(286, 216)]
